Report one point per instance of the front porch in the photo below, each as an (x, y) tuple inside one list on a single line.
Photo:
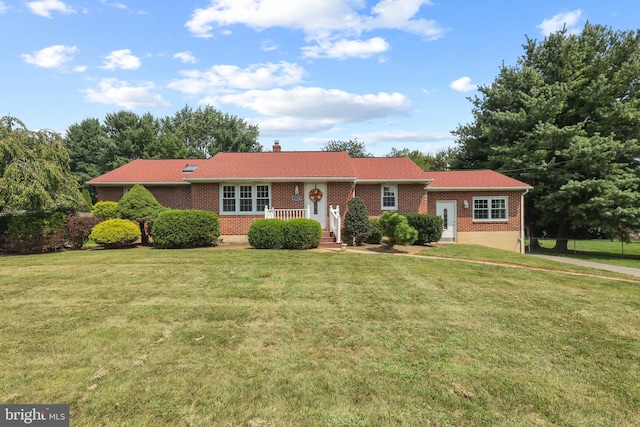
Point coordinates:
[(335, 221)]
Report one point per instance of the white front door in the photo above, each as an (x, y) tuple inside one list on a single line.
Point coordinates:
[(318, 208), (447, 211)]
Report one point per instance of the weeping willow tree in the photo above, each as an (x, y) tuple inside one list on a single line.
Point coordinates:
[(34, 170)]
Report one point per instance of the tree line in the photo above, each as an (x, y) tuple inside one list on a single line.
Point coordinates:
[(98, 147)]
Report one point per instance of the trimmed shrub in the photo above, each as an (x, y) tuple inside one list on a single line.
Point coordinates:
[(429, 227), (267, 234), (78, 230), (396, 230), (36, 232), (356, 223), (115, 233), (302, 233), (176, 228), (105, 210), (376, 232)]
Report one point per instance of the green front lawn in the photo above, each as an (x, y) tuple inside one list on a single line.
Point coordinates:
[(230, 337)]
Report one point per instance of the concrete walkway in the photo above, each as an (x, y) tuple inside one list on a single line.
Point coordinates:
[(615, 268)]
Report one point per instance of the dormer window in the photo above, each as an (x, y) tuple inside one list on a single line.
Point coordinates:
[(189, 168)]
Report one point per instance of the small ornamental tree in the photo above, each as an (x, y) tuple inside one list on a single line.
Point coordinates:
[(138, 204), (88, 204), (396, 230), (356, 222)]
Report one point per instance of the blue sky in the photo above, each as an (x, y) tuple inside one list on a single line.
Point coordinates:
[(391, 73)]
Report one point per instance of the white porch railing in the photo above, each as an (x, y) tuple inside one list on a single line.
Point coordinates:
[(286, 214), (334, 222)]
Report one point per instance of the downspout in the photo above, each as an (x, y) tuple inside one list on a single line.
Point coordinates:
[(522, 244)]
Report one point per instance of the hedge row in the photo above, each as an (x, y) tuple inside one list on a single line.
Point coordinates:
[(176, 228), (299, 233)]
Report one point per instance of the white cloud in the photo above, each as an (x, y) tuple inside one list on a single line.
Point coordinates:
[(463, 84), (3, 7), (121, 59), (116, 5), (268, 46), (290, 126), (399, 14), (80, 68), (45, 7), (222, 78), (51, 57), (315, 18), (570, 19), (314, 104), (343, 49), (186, 57), (116, 92), (403, 136)]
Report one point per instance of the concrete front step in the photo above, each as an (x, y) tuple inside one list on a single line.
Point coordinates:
[(328, 240)]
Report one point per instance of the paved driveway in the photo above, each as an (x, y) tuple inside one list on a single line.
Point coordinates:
[(608, 267)]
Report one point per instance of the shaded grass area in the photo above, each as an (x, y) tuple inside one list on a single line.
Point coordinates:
[(279, 338), (604, 251)]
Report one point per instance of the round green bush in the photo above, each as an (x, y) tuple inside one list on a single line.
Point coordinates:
[(176, 228), (429, 227), (376, 232), (105, 210), (302, 233), (267, 234), (115, 233)]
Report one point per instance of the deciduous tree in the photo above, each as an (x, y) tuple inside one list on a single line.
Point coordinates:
[(354, 147), (441, 160)]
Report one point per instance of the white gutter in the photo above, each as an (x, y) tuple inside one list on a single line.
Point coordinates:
[(479, 188), (275, 179), (115, 183), (522, 236)]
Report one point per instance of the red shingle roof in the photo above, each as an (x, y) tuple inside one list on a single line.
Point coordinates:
[(473, 179), (292, 165), (279, 165), (388, 169), (144, 171)]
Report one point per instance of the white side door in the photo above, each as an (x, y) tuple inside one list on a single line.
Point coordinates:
[(319, 211), (447, 211)]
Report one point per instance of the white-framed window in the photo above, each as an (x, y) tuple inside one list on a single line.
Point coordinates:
[(389, 195), (244, 198), (490, 209)]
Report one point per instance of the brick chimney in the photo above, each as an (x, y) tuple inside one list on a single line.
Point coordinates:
[(276, 146)]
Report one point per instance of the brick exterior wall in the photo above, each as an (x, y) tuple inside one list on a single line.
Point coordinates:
[(169, 196), (465, 216), (205, 196), (411, 198)]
